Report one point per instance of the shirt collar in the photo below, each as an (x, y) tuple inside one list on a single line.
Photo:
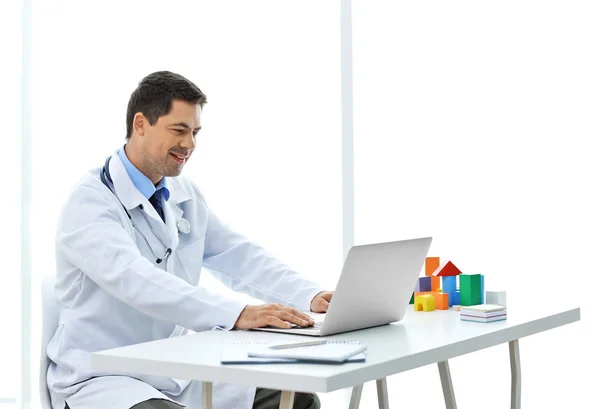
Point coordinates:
[(141, 181)]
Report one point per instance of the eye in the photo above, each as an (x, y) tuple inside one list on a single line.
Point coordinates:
[(178, 130)]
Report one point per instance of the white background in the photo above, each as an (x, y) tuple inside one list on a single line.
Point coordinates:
[(10, 205), (474, 123)]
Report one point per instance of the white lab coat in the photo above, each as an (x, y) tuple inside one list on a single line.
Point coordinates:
[(112, 292)]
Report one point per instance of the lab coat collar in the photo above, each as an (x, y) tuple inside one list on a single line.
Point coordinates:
[(178, 193), (124, 188)]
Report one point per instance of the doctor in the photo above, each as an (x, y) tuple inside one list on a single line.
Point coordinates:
[(131, 241)]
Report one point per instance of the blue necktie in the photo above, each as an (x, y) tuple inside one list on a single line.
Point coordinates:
[(155, 199)]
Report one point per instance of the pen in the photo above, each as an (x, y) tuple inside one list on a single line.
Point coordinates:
[(298, 344)]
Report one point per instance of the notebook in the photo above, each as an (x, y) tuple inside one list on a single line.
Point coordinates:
[(238, 353), (332, 351)]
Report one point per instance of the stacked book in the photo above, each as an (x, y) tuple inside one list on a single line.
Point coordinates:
[(483, 313)]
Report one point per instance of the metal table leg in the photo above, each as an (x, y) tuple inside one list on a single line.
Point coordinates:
[(382, 394), (515, 372), (447, 387), (355, 398), (207, 395), (287, 400)]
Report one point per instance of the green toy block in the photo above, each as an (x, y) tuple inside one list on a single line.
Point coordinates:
[(470, 289), (412, 298)]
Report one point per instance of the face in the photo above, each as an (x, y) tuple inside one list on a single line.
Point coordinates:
[(165, 147)]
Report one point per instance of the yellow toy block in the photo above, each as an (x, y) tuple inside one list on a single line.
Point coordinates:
[(425, 302)]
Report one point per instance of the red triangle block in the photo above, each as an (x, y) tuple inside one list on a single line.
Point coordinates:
[(446, 269)]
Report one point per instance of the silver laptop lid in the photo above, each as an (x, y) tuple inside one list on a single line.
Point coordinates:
[(376, 284)]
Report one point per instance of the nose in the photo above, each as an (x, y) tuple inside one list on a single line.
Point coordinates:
[(189, 142)]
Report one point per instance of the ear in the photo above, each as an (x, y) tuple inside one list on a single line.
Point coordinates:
[(139, 124)]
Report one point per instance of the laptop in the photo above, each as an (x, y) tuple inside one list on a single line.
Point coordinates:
[(374, 288)]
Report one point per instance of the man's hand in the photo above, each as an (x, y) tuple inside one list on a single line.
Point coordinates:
[(321, 301), (277, 315)]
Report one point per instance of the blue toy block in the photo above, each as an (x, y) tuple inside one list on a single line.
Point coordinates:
[(454, 298), (423, 285), (482, 291), (449, 284)]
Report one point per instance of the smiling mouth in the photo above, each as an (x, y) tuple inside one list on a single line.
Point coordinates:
[(180, 159)]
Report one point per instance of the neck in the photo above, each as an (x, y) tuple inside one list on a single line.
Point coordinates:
[(136, 159)]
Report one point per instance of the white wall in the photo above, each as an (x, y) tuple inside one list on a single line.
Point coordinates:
[(475, 123), (268, 155), (10, 205)]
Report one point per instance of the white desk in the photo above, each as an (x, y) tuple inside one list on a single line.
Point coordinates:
[(422, 338)]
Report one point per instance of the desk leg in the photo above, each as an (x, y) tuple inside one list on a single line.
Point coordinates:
[(287, 400), (382, 394), (447, 388), (355, 398), (207, 395), (515, 372)]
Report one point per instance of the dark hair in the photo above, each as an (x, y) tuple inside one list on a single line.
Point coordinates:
[(155, 94)]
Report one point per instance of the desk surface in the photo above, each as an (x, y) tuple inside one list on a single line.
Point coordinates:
[(421, 338)]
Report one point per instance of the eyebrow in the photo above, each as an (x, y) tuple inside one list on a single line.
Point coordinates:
[(184, 125)]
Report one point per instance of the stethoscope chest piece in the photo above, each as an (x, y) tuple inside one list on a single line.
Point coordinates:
[(183, 226)]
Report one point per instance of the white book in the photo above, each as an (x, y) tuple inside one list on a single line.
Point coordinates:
[(481, 319), (482, 314), (237, 353), (332, 351), (483, 308)]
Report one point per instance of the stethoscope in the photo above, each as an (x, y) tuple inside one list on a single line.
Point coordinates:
[(183, 226)]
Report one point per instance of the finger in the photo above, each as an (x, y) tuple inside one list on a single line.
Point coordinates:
[(322, 305), (300, 315), (295, 316), (328, 296), (275, 322), (288, 315)]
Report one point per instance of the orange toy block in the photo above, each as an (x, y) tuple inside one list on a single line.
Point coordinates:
[(423, 293), (446, 269), (431, 264), (425, 302), (435, 283), (441, 301)]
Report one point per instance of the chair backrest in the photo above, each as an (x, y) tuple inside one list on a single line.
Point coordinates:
[(50, 314)]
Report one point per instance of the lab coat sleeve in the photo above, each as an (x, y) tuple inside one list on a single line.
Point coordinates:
[(247, 267), (92, 237)]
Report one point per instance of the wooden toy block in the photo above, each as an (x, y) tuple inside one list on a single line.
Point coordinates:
[(425, 302), (431, 264), (441, 301), (456, 307), (495, 297), (449, 284), (412, 299), (423, 293), (446, 269), (435, 283), (423, 285), (470, 289), (454, 298), (482, 291)]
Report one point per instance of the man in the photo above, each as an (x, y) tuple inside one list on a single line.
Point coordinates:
[(131, 240)]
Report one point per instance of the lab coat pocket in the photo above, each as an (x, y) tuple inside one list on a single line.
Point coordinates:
[(190, 255)]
